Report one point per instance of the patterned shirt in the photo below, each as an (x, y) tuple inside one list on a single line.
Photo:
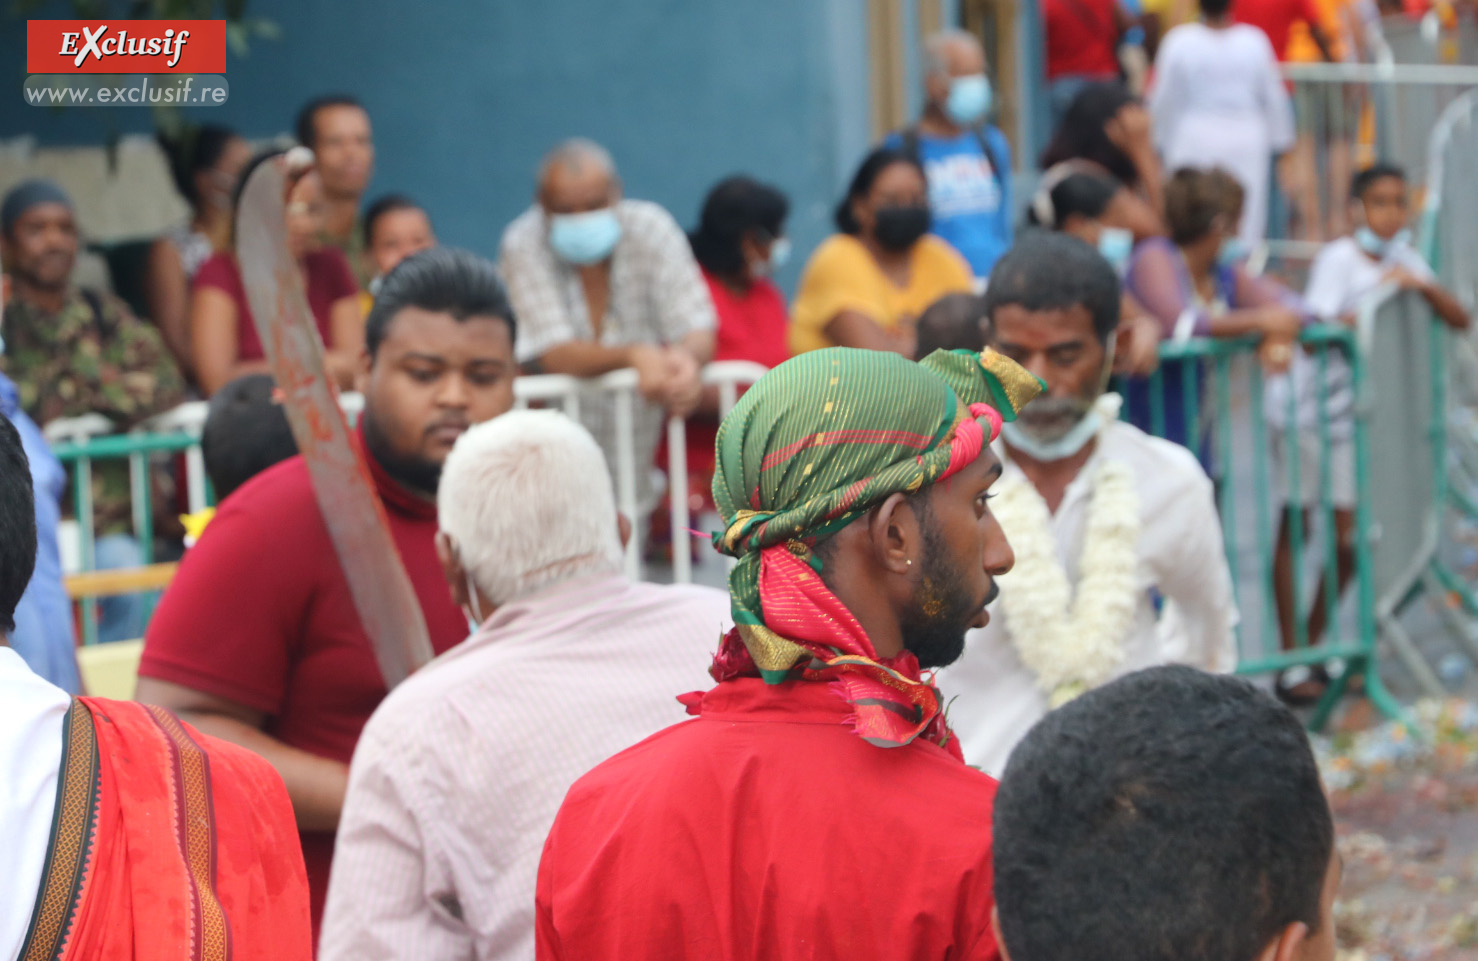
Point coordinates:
[(657, 297), (92, 356)]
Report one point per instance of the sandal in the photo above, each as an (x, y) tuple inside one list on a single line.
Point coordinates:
[(1301, 685)]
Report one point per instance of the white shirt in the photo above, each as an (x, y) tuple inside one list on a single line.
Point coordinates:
[(460, 772), (1226, 74), (1181, 557), (32, 711), (1342, 277)]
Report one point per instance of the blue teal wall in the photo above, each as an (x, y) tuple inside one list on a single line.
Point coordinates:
[(465, 96)]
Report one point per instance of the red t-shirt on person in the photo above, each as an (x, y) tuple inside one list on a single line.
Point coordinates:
[(767, 829), (1275, 18), (260, 614), (1082, 38), (329, 280)]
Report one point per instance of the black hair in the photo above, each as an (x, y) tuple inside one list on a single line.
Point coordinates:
[(1379, 170), (308, 115), (1170, 814), (1215, 8), (734, 207), (867, 174), (191, 150), (442, 279), (1082, 194), (259, 158), (955, 321), (245, 433), (17, 524), (387, 204), (1082, 135), (1054, 271)]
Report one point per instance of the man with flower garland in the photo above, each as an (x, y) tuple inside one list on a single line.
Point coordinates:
[(818, 806), (1120, 563)]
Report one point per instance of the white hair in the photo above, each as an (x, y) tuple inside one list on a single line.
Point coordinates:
[(576, 152), (527, 498), (936, 49)]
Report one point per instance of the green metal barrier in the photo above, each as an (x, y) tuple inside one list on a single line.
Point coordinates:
[(1224, 379), (80, 457)]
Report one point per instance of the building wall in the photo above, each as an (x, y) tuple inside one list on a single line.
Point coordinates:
[(466, 95)]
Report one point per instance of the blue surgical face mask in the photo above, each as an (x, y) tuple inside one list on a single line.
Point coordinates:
[(1048, 451), (1377, 246), (779, 253), (969, 99), (1116, 245), (1232, 251), (587, 238)]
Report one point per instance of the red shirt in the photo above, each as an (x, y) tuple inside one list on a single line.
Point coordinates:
[(260, 613), (1082, 38), (328, 277), (766, 829), (1275, 18)]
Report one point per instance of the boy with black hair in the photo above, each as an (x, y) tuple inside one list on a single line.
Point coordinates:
[(1346, 272), (1168, 815)]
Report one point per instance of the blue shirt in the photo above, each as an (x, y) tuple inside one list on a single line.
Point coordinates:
[(43, 635), (970, 203)]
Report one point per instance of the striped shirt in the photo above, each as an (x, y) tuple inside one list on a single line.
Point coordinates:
[(458, 776)]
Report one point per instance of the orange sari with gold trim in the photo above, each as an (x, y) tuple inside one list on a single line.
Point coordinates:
[(166, 844)]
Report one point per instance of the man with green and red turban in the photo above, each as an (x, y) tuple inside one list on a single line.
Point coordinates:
[(817, 806)]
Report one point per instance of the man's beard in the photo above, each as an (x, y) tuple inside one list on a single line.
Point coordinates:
[(936, 619), (1048, 419), (416, 473)]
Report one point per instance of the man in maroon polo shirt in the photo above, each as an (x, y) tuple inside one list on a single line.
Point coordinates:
[(257, 640)]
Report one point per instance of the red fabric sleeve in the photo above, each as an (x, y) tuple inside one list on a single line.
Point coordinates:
[(339, 278), (219, 271), (227, 624)]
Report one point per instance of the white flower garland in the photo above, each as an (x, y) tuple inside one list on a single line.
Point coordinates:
[(1072, 644)]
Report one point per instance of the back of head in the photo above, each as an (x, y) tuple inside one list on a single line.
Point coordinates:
[(735, 206), (1066, 192), (190, 150), (246, 431), (527, 498), (1196, 198), (953, 322), (443, 280), (1168, 815), (17, 524), (1379, 170), (305, 128), (867, 173), (1055, 271), (1082, 134)]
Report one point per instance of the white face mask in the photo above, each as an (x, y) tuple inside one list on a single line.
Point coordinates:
[(1061, 448), (473, 609)]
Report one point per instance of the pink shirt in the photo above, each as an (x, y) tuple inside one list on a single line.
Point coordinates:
[(458, 775)]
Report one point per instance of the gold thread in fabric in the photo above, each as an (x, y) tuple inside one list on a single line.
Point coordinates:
[(73, 839), (736, 527), (770, 651), (1019, 384), (195, 833)]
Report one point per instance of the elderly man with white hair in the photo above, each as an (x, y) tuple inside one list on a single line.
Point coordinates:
[(966, 158), (459, 774), (599, 283)]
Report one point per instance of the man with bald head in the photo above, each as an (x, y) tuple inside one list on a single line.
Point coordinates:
[(599, 283), (966, 159)]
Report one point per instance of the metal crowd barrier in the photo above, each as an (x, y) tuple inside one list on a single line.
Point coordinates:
[(79, 444)]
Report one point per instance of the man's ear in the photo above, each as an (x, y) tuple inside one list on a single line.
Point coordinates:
[(1285, 947), (995, 926), (361, 376), (895, 533), (451, 567), (623, 527)]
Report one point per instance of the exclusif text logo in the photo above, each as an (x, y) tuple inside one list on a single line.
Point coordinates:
[(125, 46)]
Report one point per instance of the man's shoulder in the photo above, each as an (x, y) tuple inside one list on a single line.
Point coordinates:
[(1167, 463), (695, 597), (281, 497), (644, 220), (1341, 250), (526, 229)]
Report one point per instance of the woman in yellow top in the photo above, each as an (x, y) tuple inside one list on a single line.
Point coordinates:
[(864, 287)]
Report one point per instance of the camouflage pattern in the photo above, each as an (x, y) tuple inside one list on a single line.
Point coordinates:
[(72, 363)]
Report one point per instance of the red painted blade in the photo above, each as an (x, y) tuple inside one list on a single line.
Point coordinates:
[(381, 589)]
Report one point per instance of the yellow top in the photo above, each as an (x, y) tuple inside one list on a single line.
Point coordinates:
[(842, 275), (1301, 46)]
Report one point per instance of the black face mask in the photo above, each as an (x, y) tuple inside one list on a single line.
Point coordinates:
[(899, 228)]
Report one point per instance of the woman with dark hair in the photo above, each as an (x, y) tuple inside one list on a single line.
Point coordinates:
[(1219, 100), (865, 285), (1106, 126), (740, 242), (223, 336), (205, 163)]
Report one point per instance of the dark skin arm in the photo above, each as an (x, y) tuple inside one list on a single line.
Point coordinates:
[(168, 292), (316, 784), (1439, 298), (851, 328)]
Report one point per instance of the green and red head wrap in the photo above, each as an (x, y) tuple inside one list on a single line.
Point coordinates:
[(815, 444)]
